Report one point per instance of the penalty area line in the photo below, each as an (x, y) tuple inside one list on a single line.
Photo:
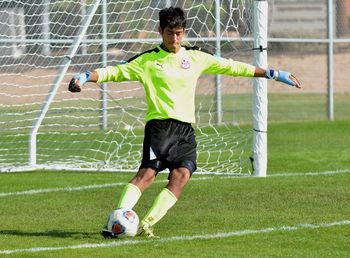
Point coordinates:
[(60, 189), (319, 173), (181, 238), (89, 187), (77, 188)]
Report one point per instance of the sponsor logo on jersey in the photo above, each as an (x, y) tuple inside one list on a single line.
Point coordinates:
[(159, 65)]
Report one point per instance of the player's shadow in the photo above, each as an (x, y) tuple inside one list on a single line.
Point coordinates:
[(50, 233)]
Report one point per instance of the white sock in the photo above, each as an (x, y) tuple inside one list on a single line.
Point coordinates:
[(163, 202), (129, 196)]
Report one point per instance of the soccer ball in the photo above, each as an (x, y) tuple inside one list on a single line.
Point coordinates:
[(123, 222)]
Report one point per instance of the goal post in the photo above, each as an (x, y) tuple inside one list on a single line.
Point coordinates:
[(57, 81), (260, 89), (101, 128)]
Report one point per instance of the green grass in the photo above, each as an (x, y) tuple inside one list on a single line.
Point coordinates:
[(219, 204), (312, 146)]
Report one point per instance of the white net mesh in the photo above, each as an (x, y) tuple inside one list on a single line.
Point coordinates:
[(98, 129)]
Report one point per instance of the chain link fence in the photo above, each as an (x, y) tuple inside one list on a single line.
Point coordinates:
[(312, 39)]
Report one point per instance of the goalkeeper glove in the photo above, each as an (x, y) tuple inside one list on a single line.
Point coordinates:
[(282, 76), (78, 80)]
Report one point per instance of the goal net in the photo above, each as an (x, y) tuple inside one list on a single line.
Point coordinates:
[(43, 126)]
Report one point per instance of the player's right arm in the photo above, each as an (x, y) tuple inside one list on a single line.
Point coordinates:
[(121, 72), (79, 80)]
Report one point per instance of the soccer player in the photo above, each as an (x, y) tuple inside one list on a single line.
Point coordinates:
[(169, 74)]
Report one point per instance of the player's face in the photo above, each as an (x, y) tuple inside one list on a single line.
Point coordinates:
[(172, 38)]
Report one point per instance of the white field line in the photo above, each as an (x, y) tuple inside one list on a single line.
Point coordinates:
[(78, 188), (60, 189), (180, 238), (87, 187), (331, 172)]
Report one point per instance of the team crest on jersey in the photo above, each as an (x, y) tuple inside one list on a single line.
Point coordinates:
[(185, 63)]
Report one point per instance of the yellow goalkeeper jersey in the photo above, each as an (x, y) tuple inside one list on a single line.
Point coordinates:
[(170, 79)]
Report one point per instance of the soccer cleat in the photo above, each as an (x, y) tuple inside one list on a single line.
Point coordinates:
[(107, 234), (146, 230)]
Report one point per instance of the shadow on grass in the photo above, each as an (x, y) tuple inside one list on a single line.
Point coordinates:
[(50, 233)]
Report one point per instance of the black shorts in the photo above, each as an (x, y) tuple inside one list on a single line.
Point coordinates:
[(169, 144)]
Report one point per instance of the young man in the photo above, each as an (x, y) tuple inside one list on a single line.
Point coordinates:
[(169, 74)]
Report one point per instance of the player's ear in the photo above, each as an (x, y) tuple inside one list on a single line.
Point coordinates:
[(160, 30)]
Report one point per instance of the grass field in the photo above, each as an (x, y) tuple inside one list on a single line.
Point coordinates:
[(301, 209)]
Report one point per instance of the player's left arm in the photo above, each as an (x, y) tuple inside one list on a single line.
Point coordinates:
[(278, 75), (218, 65)]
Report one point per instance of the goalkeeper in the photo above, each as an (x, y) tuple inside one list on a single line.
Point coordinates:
[(169, 74)]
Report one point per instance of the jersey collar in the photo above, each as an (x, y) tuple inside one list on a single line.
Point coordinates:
[(166, 51)]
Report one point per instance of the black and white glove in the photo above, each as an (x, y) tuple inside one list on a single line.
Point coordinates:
[(77, 81)]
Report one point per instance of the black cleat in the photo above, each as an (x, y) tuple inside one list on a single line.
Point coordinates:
[(107, 234)]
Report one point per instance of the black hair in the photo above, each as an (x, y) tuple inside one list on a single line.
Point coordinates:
[(172, 17)]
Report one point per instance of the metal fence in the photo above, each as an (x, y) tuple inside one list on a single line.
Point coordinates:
[(312, 38)]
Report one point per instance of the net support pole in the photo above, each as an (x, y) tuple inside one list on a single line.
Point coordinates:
[(83, 13), (260, 89), (46, 27), (218, 98), (330, 105), (104, 103), (57, 81)]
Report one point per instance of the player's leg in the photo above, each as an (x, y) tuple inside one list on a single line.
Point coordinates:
[(133, 190), (181, 161), (168, 196), (166, 199), (148, 169), (144, 178), (175, 146)]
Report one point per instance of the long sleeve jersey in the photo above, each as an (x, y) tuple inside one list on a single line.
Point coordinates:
[(170, 79)]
